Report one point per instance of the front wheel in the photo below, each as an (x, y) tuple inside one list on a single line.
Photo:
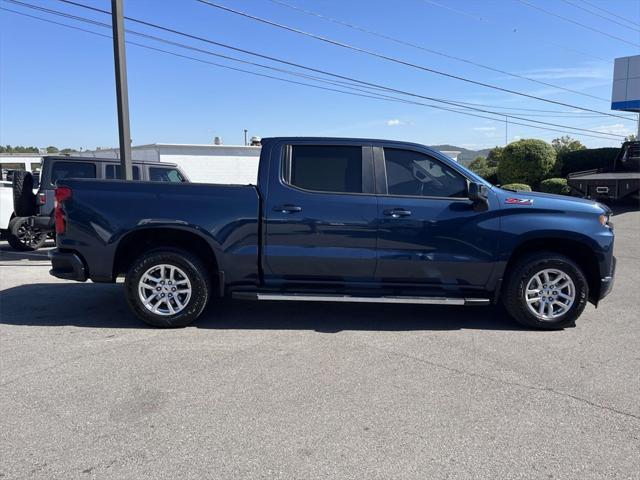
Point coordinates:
[(23, 237), (167, 288), (546, 290)]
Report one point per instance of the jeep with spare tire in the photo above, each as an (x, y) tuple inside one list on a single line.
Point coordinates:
[(33, 221)]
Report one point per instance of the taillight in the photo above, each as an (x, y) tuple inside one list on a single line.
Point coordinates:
[(62, 194), (42, 198)]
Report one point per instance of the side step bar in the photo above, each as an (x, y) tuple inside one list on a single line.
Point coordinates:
[(309, 297)]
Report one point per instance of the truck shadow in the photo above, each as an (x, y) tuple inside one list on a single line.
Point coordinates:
[(104, 306), (8, 254)]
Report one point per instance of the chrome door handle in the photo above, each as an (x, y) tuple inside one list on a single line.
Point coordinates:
[(397, 212), (287, 208)]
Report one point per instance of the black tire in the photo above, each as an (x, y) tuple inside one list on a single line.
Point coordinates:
[(514, 298), (24, 238), (194, 271), (24, 200)]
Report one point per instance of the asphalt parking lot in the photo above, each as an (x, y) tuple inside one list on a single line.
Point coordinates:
[(288, 390)]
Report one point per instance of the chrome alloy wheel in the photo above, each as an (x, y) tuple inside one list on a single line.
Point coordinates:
[(550, 293), (164, 289)]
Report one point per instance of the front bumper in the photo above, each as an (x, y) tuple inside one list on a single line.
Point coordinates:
[(67, 265), (606, 283)]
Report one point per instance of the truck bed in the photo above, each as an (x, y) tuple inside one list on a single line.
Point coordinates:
[(590, 175)]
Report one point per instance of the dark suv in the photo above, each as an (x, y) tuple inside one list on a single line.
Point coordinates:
[(33, 221)]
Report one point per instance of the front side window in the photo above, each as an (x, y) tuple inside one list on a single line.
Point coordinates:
[(416, 174), (161, 174), (62, 170), (325, 168), (113, 172)]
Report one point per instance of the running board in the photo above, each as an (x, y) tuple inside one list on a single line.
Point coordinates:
[(305, 297)]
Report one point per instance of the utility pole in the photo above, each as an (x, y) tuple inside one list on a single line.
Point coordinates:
[(245, 137), (506, 131), (122, 95)]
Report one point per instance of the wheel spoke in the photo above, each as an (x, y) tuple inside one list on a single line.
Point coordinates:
[(541, 308), (149, 278), (534, 299), (154, 289), (550, 310)]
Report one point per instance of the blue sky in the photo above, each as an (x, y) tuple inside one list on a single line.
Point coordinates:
[(57, 84)]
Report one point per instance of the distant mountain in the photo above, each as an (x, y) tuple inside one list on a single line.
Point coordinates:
[(466, 156)]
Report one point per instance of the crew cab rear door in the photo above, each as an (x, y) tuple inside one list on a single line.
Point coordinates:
[(429, 232), (321, 214)]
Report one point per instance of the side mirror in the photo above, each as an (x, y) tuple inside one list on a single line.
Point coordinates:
[(479, 195)]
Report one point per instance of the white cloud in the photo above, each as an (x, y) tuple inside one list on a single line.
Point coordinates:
[(615, 129), (394, 122), (593, 70)]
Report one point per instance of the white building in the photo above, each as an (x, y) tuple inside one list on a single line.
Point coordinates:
[(233, 164), (19, 161), (452, 154), (202, 163)]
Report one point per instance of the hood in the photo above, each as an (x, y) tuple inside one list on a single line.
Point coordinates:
[(549, 201)]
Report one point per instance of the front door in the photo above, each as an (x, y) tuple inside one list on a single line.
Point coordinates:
[(321, 216), (429, 233)]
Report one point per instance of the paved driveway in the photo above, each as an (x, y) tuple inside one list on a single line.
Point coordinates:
[(288, 390)]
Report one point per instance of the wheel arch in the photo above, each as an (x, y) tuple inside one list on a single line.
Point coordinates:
[(141, 240), (579, 250)]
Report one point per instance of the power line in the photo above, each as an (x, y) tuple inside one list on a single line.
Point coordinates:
[(552, 113), (430, 50), (391, 59), (323, 72), (570, 20), (537, 38), (601, 16), (608, 12), (377, 97), (342, 77)]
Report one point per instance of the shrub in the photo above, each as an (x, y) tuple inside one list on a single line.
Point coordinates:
[(482, 167), (521, 187), (555, 185), (588, 159), (526, 161)]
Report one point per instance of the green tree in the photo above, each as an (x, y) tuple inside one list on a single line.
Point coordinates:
[(68, 150), (52, 150), (482, 167), (564, 145), (632, 137), (494, 156), (526, 161)]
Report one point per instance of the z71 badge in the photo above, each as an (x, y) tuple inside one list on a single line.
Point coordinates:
[(519, 201)]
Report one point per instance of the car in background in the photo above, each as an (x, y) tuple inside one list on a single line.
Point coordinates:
[(33, 204)]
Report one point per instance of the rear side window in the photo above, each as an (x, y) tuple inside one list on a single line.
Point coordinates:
[(325, 168), (62, 170), (161, 174), (415, 174), (113, 172)]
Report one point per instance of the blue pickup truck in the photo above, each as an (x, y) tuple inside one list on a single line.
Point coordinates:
[(343, 220)]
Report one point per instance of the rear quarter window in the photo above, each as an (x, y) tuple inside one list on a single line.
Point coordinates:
[(161, 174), (61, 170)]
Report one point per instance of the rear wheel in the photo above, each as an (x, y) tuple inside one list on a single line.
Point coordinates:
[(546, 290), (167, 288), (23, 237)]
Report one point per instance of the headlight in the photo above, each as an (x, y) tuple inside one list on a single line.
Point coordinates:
[(605, 220)]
